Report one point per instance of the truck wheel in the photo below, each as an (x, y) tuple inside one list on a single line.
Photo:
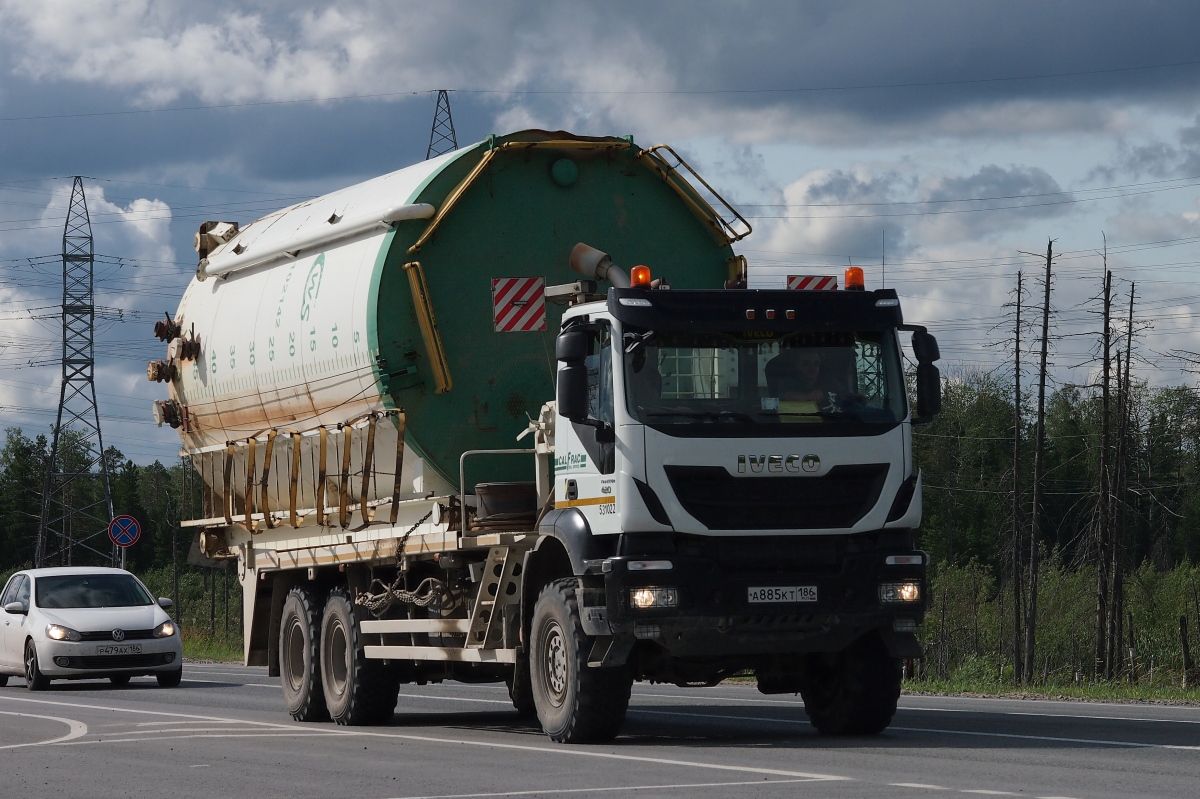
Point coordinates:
[(519, 689), (299, 637), (575, 703), (852, 692), (358, 691)]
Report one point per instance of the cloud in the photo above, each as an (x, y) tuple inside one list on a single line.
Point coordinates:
[(956, 205), (852, 71)]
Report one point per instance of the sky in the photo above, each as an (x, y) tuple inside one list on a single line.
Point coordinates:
[(949, 140)]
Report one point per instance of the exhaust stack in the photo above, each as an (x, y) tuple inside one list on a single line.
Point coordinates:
[(596, 265)]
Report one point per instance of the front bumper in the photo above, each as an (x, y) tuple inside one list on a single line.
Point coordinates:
[(714, 616), (82, 659)]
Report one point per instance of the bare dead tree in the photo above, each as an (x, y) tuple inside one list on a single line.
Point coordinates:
[(1039, 468), (1018, 663)]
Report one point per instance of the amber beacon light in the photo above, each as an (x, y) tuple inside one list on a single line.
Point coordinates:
[(854, 279), (639, 277)]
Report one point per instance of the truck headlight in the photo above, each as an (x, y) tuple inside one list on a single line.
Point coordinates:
[(899, 593), (59, 633), (653, 597)]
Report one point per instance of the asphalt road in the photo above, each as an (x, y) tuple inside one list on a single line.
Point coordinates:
[(223, 733)]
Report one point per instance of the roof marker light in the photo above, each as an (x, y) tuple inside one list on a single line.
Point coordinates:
[(887, 303), (639, 277), (854, 279), (749, 313), (790, 314), (770, 313)]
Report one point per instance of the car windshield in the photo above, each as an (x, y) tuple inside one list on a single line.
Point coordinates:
[(765, 378), (90, 591)]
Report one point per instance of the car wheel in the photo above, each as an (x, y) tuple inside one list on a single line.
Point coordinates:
[(169, 679), (34, 679), (119, 679), (3, 680)]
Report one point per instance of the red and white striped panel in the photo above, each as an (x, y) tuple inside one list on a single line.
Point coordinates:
[(812, 282), (518, 304)]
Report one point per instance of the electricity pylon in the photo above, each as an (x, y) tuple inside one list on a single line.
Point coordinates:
[(77, 499), (441, 137)]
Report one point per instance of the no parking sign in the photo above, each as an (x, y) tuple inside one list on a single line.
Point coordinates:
[(124, 531)]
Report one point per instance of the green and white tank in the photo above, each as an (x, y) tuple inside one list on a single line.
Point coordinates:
[(303, 323)]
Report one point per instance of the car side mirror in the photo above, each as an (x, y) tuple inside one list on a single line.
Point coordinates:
[(166, 603), (16, 608)]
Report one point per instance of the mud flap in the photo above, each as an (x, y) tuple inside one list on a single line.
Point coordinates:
[(610, 650)]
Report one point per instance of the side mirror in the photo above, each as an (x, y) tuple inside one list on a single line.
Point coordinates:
[(572, 394), (572, 345), (16, 608), (925, 347), (929, 391), (165, 603)]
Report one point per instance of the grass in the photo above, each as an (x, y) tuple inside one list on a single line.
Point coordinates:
[(1165, 688), (198, 646)]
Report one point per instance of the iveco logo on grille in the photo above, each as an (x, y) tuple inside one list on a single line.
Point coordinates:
[(778, 463), (118, 634)]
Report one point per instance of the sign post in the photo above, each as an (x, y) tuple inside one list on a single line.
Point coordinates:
[(124, 531)]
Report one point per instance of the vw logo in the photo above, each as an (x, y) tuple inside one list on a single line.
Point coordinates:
[(118, 634), (811, 463)]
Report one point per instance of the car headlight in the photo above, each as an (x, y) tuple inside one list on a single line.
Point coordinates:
[(653, 597), (902, 593), (59, 633), (164, 630)]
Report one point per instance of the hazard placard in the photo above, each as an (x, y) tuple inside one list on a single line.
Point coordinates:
[(518, 304), (812, 282)]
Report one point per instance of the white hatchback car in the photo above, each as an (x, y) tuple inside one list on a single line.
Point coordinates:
[(76, 623)]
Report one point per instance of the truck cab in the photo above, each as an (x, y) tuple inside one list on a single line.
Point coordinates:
[(733, 477)]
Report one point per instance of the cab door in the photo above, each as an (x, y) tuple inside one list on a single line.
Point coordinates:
[(585, 470)]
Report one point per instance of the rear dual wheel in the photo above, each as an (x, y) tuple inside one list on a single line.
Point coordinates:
[(358, 691), (299, 655)]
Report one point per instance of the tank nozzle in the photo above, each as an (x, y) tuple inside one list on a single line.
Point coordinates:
[(596, 265)]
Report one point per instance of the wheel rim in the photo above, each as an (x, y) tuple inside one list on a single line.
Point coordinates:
[(294, 656), (338, 665), (30, 664), (554, 663)]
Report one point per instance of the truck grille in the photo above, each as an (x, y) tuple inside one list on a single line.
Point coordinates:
[(720, 501)]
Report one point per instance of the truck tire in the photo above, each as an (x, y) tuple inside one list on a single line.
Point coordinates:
[(575, 703), (852, 692), (358, 691), (299, 655), (519, 689)]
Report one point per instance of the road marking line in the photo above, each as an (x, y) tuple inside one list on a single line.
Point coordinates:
[(992, 793), (78, 729), (558, 791), (459, 742), (920, 785), (1132, 744)]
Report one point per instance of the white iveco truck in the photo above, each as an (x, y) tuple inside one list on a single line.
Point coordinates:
[(437, 454)]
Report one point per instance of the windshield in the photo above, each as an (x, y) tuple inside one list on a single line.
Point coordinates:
[(764, 378), (90, 591)]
